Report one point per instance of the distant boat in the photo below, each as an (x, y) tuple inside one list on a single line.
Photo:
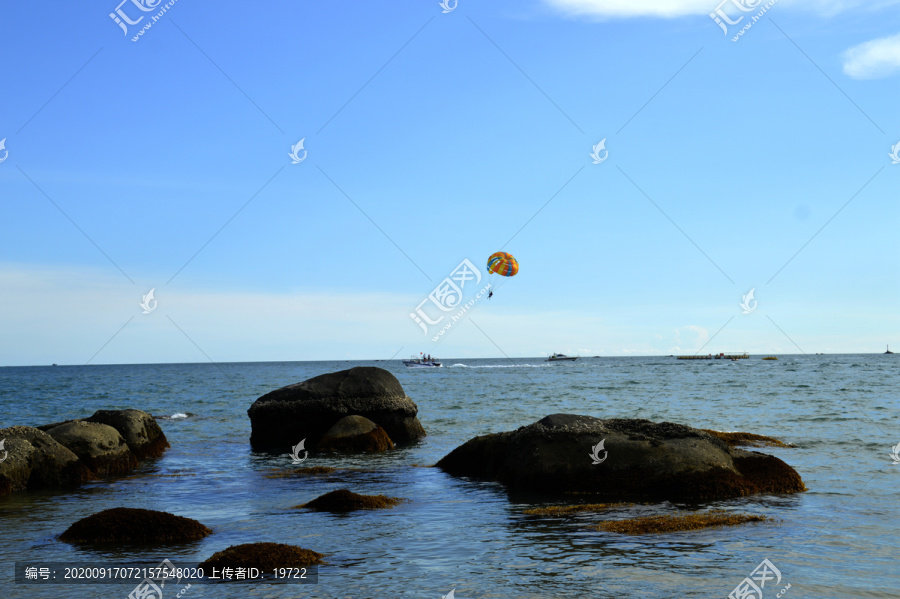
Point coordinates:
[(888, 350), (561, 358), (422, 362), (770, 358), (58, 364)]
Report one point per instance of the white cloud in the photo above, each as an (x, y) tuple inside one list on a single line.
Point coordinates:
[(681, 8), (873, 59), (631, 8)]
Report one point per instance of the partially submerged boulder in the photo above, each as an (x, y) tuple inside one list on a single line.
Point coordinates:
[(344, 500), (307, 410), (132, 525), (139, 429), (638, 460), (35, 460), (264, 556), (355, 434), (100, 447)]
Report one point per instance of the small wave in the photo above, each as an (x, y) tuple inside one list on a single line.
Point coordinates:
[(175, 416)]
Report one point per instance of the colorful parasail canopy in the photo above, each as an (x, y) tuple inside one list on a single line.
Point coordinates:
[(503, 264)]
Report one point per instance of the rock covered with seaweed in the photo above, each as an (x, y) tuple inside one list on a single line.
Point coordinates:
[(620, 460)]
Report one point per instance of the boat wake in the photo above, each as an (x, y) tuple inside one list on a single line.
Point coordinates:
[(499, 366)]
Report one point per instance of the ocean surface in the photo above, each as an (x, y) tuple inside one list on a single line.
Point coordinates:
[(839, 539)]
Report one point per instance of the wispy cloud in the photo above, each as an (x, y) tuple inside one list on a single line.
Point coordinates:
[(630, 8), (681, 8), (874, 59)]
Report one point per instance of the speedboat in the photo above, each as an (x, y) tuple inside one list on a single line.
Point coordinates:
[(422, 362), (561, 358)]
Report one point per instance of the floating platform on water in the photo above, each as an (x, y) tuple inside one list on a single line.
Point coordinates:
[(744, 356)]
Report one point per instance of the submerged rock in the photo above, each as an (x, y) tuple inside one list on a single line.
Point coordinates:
[(344, 500), (677, 522), (265, 556), (638, 460), (35, 460), (100, 447), (132, 525), (307, 410), (353, 434)]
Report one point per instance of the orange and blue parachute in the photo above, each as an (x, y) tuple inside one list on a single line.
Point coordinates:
[(503, 264)]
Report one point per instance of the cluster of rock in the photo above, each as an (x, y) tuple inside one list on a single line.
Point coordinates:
[(365, 409), (66, 454), (360, 409)]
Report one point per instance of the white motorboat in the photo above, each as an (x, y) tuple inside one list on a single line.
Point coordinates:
[(422, 362), (561, 358)]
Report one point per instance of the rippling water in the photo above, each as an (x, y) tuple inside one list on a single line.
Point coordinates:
[(836, 540)]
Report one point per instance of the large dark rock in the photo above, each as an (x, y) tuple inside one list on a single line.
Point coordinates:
[(355, 434), (140, 430), (132, 525), (644, 461), (282, 418), (35, 460), (100, 447)]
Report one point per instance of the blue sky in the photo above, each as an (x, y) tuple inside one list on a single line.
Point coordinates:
[(433, 137)]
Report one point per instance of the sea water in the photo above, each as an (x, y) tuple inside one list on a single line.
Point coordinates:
[(838, 539)]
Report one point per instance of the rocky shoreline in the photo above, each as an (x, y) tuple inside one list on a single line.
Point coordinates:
[(364, 410), (64, 455)]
